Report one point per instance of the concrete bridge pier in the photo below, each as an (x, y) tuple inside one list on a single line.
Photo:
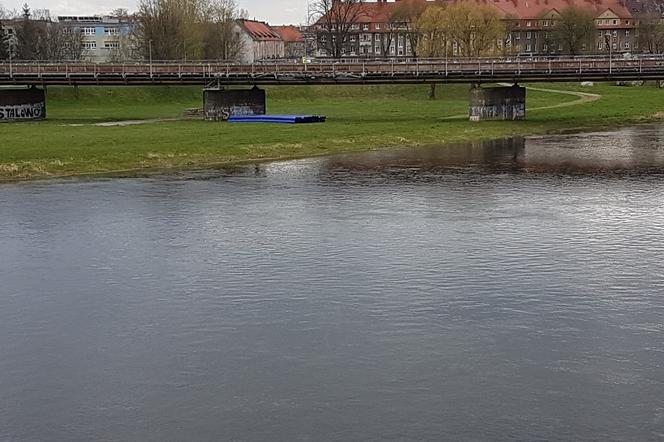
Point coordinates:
[(497, 103), (22, 104), (219, 104)]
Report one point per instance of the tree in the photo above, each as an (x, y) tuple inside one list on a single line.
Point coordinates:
[(335, 19), (433, 28), (651, 33), (30, 37), (186, 29), (475, 28), (406, 17), (221, 41), (4, 43), (119, 13), (574, 30)]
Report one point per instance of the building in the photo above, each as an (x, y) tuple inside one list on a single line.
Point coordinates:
[(294, 42), (103, 39), (377, 31), (259, 41), (530, 25)]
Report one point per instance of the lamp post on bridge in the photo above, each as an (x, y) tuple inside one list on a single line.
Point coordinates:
[(609, 46), (150, 50), (11, 49)]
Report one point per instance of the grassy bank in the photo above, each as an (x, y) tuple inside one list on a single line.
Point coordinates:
[(359, 118)]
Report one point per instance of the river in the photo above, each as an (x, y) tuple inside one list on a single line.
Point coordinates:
[(508, 290)]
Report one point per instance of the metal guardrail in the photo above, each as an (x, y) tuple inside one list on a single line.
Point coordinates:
[(339, 71)]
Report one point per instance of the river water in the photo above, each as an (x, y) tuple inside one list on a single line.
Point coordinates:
[(511, 290)]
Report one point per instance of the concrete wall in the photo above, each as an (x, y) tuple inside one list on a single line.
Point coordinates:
[(219, 104), (497, 103), (22, 104)]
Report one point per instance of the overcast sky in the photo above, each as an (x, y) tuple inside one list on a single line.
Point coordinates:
[(273, 11)]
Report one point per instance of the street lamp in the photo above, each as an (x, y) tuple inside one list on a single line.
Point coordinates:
[(150, 46), (11, 49), (607, 39)]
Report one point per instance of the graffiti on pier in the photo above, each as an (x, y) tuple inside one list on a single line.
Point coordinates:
[(22, 104)]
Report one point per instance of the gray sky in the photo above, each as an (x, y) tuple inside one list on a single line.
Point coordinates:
[(274, 11)]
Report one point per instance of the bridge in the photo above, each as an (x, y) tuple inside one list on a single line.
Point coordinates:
[(457, 70), (223, 96)]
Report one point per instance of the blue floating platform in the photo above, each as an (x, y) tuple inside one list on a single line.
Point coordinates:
[(288, 119)]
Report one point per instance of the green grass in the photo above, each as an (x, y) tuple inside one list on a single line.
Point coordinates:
[(359, 118)]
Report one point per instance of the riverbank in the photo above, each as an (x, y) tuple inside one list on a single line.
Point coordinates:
[(71, 142)]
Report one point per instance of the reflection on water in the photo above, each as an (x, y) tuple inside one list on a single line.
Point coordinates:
[(502, 290)]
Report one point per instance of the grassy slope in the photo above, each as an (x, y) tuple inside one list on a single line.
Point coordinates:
[(359, 117)]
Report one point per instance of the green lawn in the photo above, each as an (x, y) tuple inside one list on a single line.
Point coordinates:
[(359, 118)]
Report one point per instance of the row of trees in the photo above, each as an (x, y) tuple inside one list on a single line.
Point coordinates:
[(164, 30), (467, 28), (37, 37)]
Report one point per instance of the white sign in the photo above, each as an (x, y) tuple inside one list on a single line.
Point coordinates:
[(22, 112)]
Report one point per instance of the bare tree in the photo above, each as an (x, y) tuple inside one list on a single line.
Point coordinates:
[(126, 49), (186, 29), (4, 43), (221, 40), (406, 18), (119, 13), (574, 30), (475, 28), (651, 33), (335, 20)]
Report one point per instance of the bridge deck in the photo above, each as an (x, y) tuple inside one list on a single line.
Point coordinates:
[(338, 72)]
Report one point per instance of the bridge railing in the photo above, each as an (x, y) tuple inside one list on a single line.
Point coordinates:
[(516, 66)]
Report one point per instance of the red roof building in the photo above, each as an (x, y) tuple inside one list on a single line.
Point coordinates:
[(294, 42), (376, 33), (259, 41)]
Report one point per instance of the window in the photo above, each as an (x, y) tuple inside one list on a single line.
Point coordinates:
[(528, 23), (111, 45), (89, 45), (88, 31), (627, 33), (600, 46), (365, 27), (378, 26), (615, 22), (528, 35), (517, 35), (615, 34), (377, 37), (626, 45), (111, 31), (600, 34), (615, 46), (529, 48), (545, 47)]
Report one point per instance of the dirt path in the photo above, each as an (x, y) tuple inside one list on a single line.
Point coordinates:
[(584, 97)]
